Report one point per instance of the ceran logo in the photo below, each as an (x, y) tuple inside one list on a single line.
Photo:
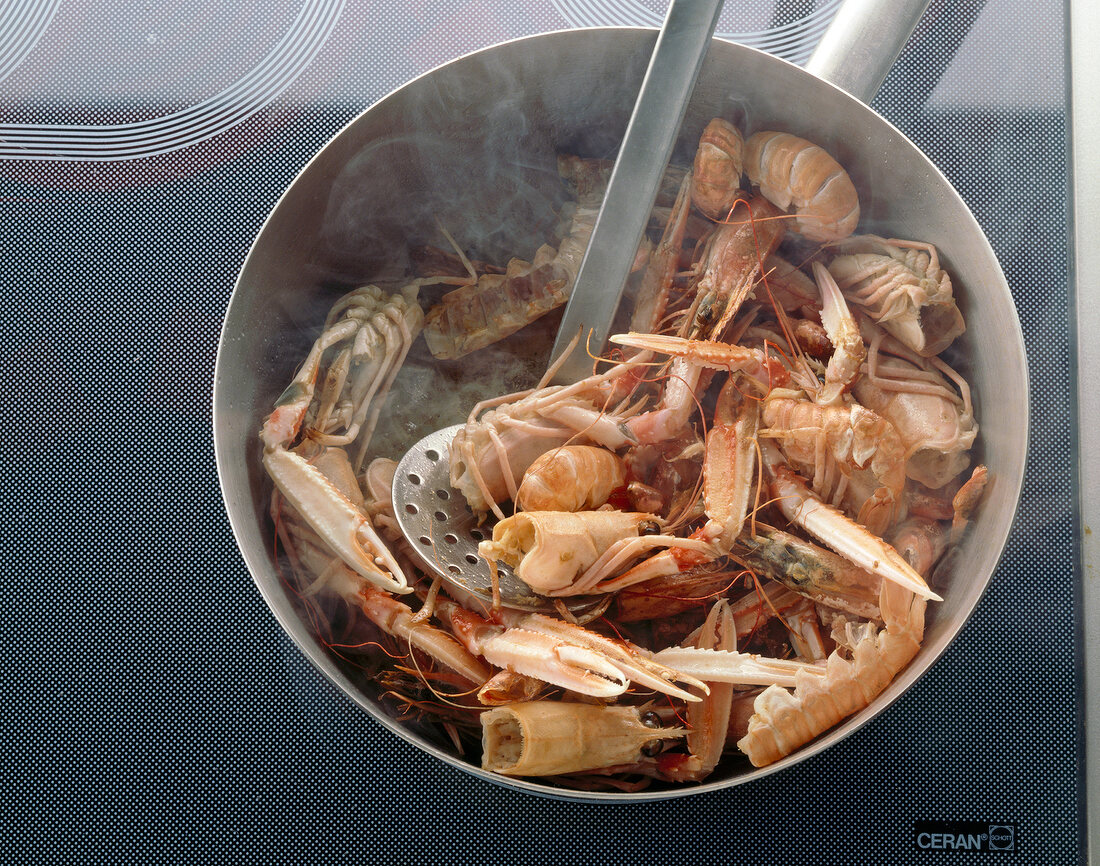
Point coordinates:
[(990, 836)]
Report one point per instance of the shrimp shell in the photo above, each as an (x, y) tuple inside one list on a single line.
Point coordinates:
[(853, 434), (550, 549), (814, 572), (716, 180), (571, 478), (854, 675), (480, 313), (792, 171), (901, 286), (935, 424)]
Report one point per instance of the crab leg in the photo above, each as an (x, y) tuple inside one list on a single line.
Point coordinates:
[(729, 468), (840, 325), (632, 661), (392, 616), (508, 687), (723, 666), (678, 401), (555, 661), (598, 577), (765, 371), (314, 476), (804, 628), (281, 426), (559, 553), (709, 718), (395, 617), (399, 329)]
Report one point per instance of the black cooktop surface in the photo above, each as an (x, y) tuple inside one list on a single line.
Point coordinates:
[(155, 711)]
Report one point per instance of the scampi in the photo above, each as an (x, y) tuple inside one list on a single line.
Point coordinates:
[(756, 484)]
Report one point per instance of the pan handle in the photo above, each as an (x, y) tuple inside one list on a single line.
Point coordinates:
[(862, 43)]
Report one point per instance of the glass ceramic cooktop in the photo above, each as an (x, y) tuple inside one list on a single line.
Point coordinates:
[(154, 709)]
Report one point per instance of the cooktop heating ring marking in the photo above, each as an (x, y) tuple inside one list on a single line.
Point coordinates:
[(793, 41), (21, 26), (199, 122)]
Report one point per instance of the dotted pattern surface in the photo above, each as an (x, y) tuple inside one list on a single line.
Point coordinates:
[(154, 710)]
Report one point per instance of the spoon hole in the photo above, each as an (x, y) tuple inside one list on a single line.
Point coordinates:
[(415, 479), (443, 494), (440, 516), (427, 542), (410, 508), (454, 569), (432, 454), (470, 558), (450, 538), (477, 534)]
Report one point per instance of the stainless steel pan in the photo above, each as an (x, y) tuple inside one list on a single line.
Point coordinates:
[(473, 143)]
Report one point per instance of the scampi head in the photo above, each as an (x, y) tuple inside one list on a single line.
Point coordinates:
[(542, 738), (783, 561)]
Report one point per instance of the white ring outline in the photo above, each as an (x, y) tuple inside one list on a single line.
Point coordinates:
[(22, 26), (794, 42), (204, 120)]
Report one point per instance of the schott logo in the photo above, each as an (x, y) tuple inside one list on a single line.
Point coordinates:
[(964, 836), (1002, 837)]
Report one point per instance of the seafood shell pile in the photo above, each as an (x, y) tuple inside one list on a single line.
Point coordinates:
[(755, 485)]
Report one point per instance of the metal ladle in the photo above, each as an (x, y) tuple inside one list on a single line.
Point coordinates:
[(435, 518)]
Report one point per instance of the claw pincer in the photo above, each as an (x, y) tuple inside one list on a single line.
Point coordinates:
[(335, 518), (564, 655)]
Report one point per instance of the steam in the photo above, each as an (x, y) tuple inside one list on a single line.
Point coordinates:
[(467, 149), (472, 147)]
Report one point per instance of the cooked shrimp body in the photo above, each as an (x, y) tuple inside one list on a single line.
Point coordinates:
[(928, 404), (307, 436), (571, 478), (559, 553), (798, 176), (503, 437), (901, 285), (732, 266), (489, 307), (863, 664), (810, 434), (716, 179)]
